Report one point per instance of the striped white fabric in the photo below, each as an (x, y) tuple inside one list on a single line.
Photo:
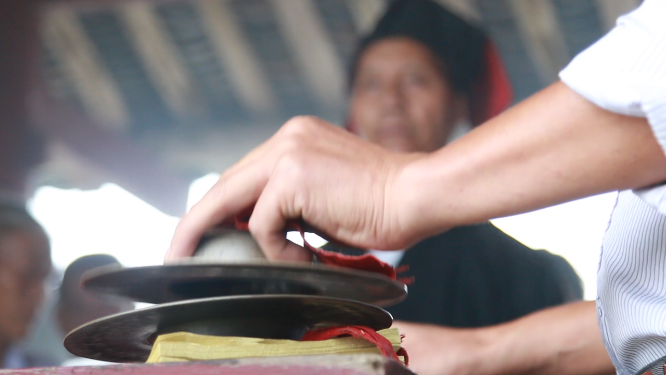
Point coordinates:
[(631, 304), (625, 72)]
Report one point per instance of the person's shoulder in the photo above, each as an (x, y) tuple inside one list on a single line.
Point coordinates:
[(551, 271), (487, 236), (569, 283)]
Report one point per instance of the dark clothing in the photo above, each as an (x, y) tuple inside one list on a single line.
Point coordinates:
[(476, 276)]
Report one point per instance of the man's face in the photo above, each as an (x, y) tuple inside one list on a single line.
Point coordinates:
[(25, 263), (401, 99)]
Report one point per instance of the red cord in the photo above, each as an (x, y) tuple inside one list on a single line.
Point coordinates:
[(365, 262), (360, 332)]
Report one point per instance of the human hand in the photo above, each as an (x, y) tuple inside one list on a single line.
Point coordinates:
[(437, 350), (339, 184)]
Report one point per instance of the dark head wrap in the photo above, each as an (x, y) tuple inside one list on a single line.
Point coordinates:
[(471, 63)]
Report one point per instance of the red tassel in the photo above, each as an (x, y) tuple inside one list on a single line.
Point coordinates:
[(365, 262), (360, 332)]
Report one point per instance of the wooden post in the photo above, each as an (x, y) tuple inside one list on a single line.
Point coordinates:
[(19, 148)]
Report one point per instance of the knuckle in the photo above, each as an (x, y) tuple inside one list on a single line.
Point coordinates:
[(294, 136), (255, 228), (291, 166), (290, 146), (299, 126), (218, 191)]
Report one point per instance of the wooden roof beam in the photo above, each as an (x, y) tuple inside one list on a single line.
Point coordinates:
[(240, 61), (96, 5), (537, 21), (115, 155), (64, 34), (19, 151), (366, 13), (164, 64), (463, 8), (610, 10), (313, 49)]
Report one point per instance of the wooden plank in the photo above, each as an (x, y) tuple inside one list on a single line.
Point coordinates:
[(313, 49), (463, 8), (541, 33), (96, 5), (64, 34), (116, 155), (366, 13), (610, 10), (233, 48), (18, 43), (308, 365), (161, 58)]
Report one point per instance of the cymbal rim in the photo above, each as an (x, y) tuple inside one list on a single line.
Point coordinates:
[(125, 337), (155, 284)]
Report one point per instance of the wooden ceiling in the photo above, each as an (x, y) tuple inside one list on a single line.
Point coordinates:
[(151, 93), (150, 65)]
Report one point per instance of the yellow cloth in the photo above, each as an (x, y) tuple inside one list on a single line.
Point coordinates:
[(186, 347)]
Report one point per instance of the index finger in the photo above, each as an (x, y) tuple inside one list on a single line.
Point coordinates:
[(230, 195)]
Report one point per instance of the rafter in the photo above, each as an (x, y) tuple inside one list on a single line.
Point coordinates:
[(164, 64), (96, 5), (464, 8), (116, 156), (544, 40), (235, 51), (64, 34), (610, 10), (313, 49), (366, 13), (19, 152)]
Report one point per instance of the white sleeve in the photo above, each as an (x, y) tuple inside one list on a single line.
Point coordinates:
[(625, 71)]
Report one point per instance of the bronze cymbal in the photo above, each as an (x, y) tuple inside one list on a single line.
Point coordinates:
[(128, 337), (204, 279)]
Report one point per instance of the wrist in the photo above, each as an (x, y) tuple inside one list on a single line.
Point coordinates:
[(487, 356), (506, 350), (407, 198), (422, 197)]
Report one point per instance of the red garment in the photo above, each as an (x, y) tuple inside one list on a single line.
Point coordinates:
[(492, 94)]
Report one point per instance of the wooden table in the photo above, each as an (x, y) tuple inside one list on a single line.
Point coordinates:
[(358, 364)]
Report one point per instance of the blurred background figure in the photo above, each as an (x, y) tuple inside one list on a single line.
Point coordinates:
[(25, 262), (420, 79), (70, 307)]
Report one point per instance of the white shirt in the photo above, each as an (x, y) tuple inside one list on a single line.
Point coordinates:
[(625, 72)]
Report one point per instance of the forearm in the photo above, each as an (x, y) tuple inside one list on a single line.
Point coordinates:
[(561, 340), (552, 148)]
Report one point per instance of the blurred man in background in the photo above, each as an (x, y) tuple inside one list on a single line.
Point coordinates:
[(25, 262), (420, 80), (71, 308)]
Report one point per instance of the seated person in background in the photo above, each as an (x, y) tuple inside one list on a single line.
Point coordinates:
[(25, 262), (71, 308), (419, 78)]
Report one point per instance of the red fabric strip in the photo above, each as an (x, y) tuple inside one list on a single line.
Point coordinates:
[(361, 332), (366, 262)]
